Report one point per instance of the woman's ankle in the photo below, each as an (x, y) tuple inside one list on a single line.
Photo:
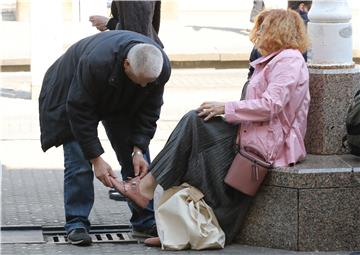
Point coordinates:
[(145, 191), (147, 186)]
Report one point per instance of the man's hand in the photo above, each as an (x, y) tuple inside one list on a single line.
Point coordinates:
[(103, 171), (99, 22), (209, 110), (141, 166)]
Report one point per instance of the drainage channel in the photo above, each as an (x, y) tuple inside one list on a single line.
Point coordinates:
[(57, 235)]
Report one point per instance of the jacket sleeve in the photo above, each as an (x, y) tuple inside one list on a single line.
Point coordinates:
[(81, 110), (282, 80), (144, 125)]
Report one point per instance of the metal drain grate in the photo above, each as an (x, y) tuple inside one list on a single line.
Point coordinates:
[(98, 234), (97, 238), (57, 235)]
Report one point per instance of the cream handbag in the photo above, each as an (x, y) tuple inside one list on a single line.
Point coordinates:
[(185, 221)]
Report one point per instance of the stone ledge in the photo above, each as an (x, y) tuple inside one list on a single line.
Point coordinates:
[(15, 62), (318, 172), (196, 60), (313, 206)]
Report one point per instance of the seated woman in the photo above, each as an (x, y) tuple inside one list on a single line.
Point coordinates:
[(273, 116)]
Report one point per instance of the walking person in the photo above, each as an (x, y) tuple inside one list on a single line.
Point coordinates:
[(116, 77), (258, 6), (138, 16), (200, 150)]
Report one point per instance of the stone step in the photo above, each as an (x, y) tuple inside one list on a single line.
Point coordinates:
[(312, 206)]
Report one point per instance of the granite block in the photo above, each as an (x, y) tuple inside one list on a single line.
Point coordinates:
[(272, 220), (318, 171), (312, 206), (314, 180), (331, 91), (329, 219)]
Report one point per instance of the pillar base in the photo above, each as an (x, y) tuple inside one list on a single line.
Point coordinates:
[(313, 206), (331, 92)]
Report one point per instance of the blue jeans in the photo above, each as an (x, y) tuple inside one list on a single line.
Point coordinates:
[(79, 192), (118, 133), (78, 187)]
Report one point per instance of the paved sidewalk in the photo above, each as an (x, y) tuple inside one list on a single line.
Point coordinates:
[(206, 33), (200, 32), (32, 182), (34, 197), (186, 90)]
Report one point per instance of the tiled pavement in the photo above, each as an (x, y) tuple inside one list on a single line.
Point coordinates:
[(34, 197), (186, 90), (32, 184)]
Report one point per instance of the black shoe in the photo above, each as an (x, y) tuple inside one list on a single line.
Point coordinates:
[(115, 195), (145, 232), (79, 236)]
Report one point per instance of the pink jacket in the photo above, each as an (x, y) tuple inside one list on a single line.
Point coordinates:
[(278, 89)]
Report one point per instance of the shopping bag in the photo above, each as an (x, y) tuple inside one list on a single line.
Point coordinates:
[(185, 221)]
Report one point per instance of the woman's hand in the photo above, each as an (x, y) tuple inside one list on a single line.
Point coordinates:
[(211, 109)]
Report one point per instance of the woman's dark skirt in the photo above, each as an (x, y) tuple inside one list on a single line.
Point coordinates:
[(200, 153)]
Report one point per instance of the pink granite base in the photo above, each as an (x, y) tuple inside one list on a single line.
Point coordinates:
[(331, 91)]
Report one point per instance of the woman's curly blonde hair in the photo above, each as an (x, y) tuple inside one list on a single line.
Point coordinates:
[(279, 29)]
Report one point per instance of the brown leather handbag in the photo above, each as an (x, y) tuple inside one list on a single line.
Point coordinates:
[(247, 171)]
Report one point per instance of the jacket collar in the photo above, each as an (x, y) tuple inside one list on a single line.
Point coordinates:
[(118, 75), (264, 59)]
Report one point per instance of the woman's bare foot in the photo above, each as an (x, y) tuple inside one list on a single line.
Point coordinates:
[(147, 186), (153, 242), (130, 190)]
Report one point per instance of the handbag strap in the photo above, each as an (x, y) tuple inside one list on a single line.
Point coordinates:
[(287, 133)]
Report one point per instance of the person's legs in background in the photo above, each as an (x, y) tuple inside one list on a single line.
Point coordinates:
[(258, 6), (142, 221), (78, 193)]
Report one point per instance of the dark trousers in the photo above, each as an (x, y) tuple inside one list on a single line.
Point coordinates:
[(119, 135), (79, 176), (200, 153)]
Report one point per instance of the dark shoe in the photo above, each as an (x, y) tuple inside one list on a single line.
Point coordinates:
[(79, 236), (145, 232), (130, 190), (115, 195), (152, 242)]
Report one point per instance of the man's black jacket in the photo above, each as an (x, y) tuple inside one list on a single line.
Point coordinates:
[(88, 84)]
